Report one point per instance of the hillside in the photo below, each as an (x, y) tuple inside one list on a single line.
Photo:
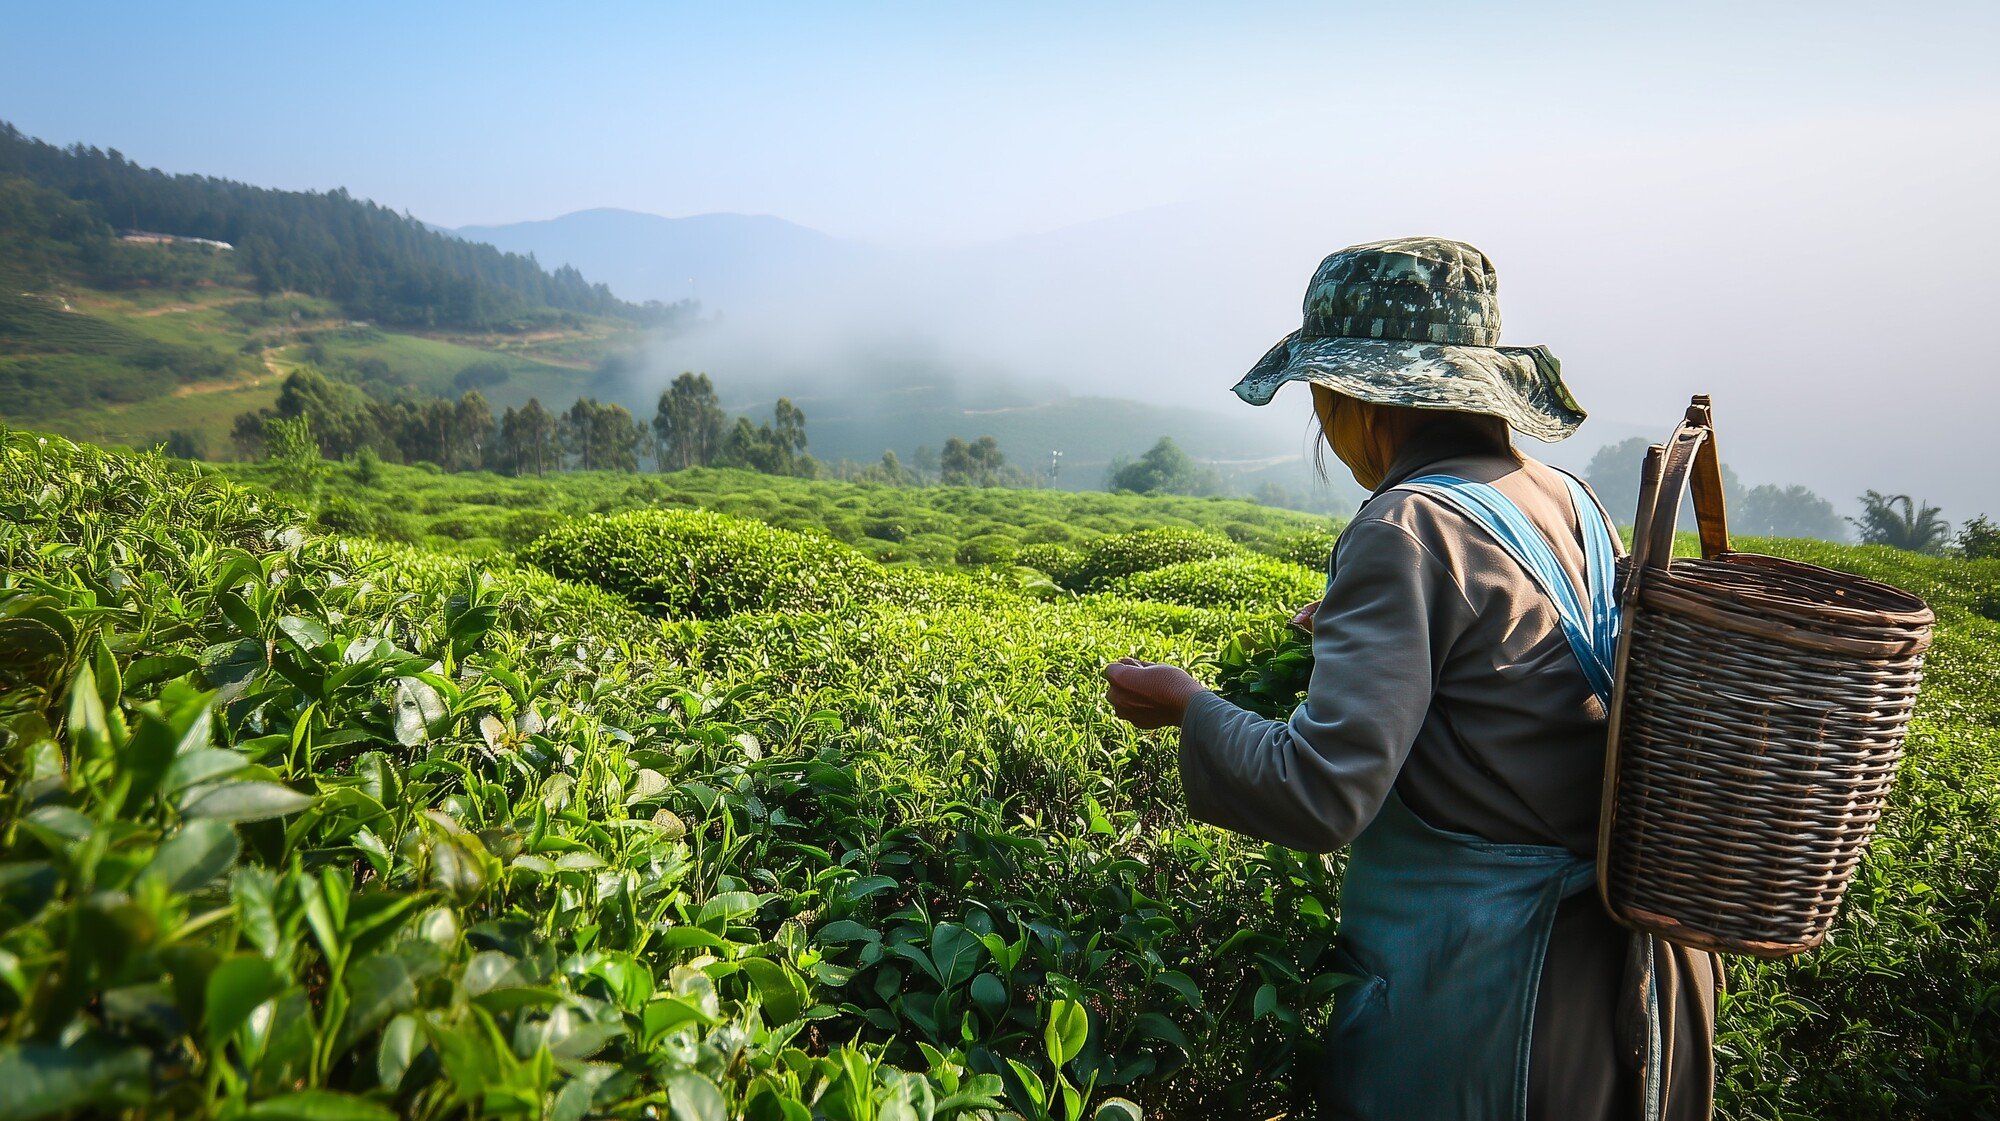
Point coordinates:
[(373, 262), (669, 806), (131, 366), (128, 339)]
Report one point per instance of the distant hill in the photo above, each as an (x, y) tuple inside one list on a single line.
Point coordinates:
[(376, 264), (721, 260), (129, 339)]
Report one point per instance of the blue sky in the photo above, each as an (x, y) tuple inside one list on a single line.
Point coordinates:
[(1789, 205), (931, 123)]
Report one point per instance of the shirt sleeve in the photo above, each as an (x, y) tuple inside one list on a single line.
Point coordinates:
[(1315, 781)]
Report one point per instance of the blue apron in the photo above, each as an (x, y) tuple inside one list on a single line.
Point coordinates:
[(1446, 931)]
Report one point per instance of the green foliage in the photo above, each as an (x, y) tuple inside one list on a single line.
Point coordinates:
[(978, 463), (182, 443), (294, 825), (1900, 522), (378, 264), (54, 357), (495, 843), (1309, 548), (1265, 669), (889, 523), (689, 425), (1164, 469), (1114, 557), (987, 548), (1979, 539), (693, 564), (602, 436), (1244, 582), (1059, 562), (292, 452), (777, 447)]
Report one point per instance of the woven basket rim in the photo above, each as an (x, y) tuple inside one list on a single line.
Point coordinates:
[(1911, 613)]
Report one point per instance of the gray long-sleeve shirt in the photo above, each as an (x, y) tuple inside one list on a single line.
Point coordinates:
[(1440, 669)]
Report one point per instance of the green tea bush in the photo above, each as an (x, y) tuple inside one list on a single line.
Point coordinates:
[(691, 564), (388, 836), (1312, 548), (1060, 562), (880, 512), (1119, 555), (527, 525), (1241, 582), (1265, 669), (1048, 533), (304, 826), (987, 548)]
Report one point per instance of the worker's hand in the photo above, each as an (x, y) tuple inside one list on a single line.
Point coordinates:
[(1149, 694), (1304, 619)]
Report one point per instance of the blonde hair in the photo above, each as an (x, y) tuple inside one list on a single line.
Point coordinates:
[(1366, 436)]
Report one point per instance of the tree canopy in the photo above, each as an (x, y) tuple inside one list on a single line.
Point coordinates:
[(375, 263), (1164, 469), (1899, 521)]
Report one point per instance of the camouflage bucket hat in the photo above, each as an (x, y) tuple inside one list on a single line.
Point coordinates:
[(1416, 322)]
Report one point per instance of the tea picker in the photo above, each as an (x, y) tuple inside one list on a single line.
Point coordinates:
[(1469, 666)]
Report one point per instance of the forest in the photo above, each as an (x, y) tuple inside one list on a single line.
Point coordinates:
[(59, 208)]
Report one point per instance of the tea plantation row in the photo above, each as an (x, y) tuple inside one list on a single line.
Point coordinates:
[(685, 815), (483, 514)]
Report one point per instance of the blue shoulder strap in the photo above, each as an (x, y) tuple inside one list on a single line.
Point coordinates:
[(1592, 629)]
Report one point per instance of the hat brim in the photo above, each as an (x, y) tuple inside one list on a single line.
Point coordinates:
[(1520, 384)]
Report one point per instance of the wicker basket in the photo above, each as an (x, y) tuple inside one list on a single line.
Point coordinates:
[(1756, 725)]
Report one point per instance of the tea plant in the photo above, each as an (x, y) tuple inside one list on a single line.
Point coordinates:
[(1242, 582), (695, 564), (1116, 556), (306, 826)]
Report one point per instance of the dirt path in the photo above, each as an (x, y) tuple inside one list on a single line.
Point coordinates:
[(197, 388), (175, 309)]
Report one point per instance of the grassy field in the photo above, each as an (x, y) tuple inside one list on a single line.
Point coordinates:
[(671, 811), (126, 367), (430, 364)]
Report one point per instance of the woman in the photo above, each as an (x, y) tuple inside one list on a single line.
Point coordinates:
[(1453, 730)]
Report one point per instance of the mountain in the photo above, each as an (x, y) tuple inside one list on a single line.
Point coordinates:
[(722, 260), (376, 264), (137, 336)]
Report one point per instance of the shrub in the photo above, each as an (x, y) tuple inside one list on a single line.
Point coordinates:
[(694, 564), (1060, 562), (527, 525), (1245, 582), (1979, 538), (1047, 533), (987, 548), (1312, 548), (1124, 554), (343, 516)]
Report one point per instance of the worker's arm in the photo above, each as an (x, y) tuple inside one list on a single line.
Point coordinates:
[(1314, 781)]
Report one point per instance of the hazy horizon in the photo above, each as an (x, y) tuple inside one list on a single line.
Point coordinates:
[(1790, 209)]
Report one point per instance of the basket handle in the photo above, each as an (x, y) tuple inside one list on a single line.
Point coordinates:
[(1688, 457)]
